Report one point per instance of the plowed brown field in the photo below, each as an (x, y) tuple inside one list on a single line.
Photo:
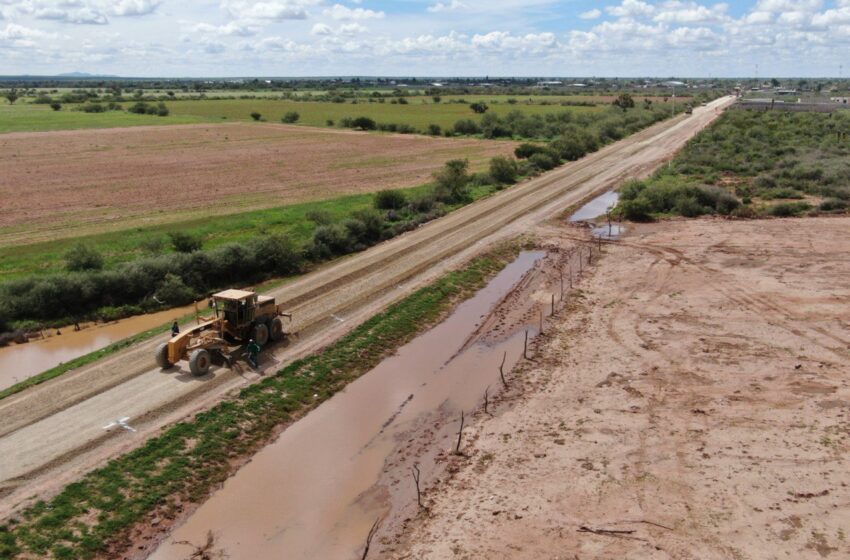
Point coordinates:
[(75, 182)]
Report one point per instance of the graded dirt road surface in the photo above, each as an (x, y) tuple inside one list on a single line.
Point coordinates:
[(97, 180), (693, 404), (51, 433)]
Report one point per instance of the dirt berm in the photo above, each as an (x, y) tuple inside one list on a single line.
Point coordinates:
[(60, 423)]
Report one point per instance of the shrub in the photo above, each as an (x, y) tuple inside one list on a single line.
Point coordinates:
[(569, 148), (329, 241), (503, 170), (292, 117), (162, 110), (451, 182), (833, 205), (56, 106), (690, 207), (329, 122), (543, 162), (373, 225), (256, 116), (479, 107), (173, 291), (275, 254), (153, 244), (83, 257), (184, 242), (526, 150), (94, 108), (363, 123), (139, 108), (435, 130), (423, 203), (466, 126), (390, 200), (788, 209), (637, 210)]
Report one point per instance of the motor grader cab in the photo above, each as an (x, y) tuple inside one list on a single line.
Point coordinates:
[(239, 316)]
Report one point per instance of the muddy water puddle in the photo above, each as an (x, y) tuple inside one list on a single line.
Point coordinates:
[(316, 491), (22, 361), (596, 207)]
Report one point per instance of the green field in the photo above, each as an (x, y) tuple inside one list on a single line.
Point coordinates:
[(22, 117), (418, 113)]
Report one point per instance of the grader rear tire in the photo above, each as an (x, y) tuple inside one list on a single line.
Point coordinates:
[(162, 356), (260, 334), (276, 333), (199, 362)]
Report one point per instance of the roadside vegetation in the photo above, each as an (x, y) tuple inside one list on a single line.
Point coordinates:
[(752, 164), (190, 459)]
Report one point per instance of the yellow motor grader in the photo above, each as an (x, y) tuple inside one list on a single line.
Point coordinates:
[(239, 316)]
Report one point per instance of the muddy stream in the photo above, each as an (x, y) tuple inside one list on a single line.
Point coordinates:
[(21, 361), (316, 491)]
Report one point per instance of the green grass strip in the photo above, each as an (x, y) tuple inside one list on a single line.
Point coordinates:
[(94, 516)]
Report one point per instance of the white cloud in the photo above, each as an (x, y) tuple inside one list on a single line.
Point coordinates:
[(134, 7), (271, 10), (234, 28), (321, 29), (591, 14), (631, 8), (340, 12), (450, 6)]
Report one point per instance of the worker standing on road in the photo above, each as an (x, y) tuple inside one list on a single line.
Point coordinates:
[(175, 330), (253, 350)]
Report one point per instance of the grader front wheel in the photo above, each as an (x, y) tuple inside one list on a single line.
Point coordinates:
[(199, 362), (260, 334), (162, 356), (276, 333)]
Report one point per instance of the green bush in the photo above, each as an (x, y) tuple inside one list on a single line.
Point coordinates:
[(291, 117), (833, 205), (256, 116), (83, 257), (503, 170), (319, 217), (390, 200), (173, 291), (435, 130), (526, 150), (466, 126), (543, 162), (789, 209), (451, 183), (637, 210), (94, 108), (363, 123), (56, 106), (184, 242)]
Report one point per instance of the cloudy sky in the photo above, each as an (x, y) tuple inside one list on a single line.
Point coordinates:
[(425, 37)]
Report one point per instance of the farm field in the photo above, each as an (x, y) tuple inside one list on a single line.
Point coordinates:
[(113, 179), (23, 117)]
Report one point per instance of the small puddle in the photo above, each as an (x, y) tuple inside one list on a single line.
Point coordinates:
[(608, 231), (316, 490), (596, 207), (22, 361)]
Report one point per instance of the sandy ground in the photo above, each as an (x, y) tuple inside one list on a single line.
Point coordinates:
[(693, 403), (53, 432), (95, 180)]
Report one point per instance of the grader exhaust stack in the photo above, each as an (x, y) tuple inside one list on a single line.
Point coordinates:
[(239, 316)]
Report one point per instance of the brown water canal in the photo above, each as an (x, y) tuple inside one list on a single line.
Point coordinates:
[(21, 361), (315, 491)]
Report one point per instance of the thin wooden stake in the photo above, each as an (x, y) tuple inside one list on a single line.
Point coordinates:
[(571, 277), (553, 304), (369, 538), (459, 434), (541, 319), (486, 400), (416, 476), (562, 286), (525, 346), (502, 369)]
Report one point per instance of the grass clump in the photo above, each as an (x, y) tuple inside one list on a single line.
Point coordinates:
[(93, 516)]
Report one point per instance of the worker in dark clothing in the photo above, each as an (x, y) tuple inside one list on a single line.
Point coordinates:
[(175, 330), (253, 350)]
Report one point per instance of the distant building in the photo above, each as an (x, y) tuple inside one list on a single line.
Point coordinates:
[(842, 100), (550, 83)]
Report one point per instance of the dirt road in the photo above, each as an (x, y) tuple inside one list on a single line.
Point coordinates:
[(693, 404), (60, 423)]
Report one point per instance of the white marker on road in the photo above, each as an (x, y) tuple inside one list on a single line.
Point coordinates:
[(341, 320), (122, 422)]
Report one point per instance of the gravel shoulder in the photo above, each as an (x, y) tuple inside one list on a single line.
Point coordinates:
[(693, 403)]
